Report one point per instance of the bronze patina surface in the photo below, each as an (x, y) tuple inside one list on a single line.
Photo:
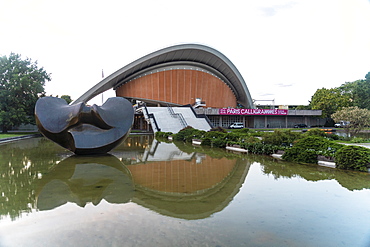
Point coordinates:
[(85, 129)]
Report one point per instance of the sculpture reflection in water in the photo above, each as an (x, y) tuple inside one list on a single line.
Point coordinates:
[(170, 181), (181, 181), (85, 129), (85, 179)]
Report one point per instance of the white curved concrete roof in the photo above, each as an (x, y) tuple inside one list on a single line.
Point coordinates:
[(185, 54)]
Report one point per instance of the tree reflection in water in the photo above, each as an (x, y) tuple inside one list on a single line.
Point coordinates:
[(178, 180)]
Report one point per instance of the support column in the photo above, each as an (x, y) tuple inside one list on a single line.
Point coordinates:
[(265, 121), (286, 121)]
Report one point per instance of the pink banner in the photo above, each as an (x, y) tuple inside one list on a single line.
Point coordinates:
[(234, 111)]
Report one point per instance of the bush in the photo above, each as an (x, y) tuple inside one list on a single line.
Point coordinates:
[(219, 142), (306, 149), (280, 137), (353, 158), (163, 135), (357, 140), (260, 148), (206, 142), (241, 131), (189, 133), (249, 139), (300, 155), (316, 132), (215, 134), (219, 129)]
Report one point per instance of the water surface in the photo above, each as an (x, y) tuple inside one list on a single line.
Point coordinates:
[(150, 193)]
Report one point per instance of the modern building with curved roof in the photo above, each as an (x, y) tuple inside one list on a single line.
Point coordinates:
[(178, 75), (189, 74)]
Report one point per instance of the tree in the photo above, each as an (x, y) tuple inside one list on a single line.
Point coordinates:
[(67, 98), (358, 119), (21, 84), (329, 101), (359, 92), (362, 94)]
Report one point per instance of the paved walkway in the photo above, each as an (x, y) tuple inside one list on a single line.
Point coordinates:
[(365, 145), (17, 138)]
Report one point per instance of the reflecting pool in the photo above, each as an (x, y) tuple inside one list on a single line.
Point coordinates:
[(150, 193)]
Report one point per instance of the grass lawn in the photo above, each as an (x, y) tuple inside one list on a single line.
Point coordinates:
[(8, 135)]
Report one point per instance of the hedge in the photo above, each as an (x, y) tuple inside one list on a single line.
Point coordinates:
[(307, 149), (353, 158)]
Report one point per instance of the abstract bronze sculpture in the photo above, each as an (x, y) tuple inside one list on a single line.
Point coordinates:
[(85, 129)]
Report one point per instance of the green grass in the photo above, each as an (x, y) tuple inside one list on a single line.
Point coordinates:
[(9, 135)]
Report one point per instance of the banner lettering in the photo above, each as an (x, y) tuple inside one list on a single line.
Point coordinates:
[(237, 111)]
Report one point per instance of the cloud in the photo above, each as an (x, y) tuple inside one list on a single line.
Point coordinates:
[(266, 94), (274, 9), (273, 42), (283, 85)]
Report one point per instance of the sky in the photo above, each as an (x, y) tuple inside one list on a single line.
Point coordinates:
[(284, 49)]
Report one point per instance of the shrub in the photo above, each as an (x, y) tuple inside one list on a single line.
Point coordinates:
[(206, 142), (237, 137), (219, 142), (249, 139), (306, 149), (219, 129), (300, 155), (163, 135), (260, 148), (215, 134), (316, 132), (353, 158), (189, 133), (241, 131), (280, 137), (357, 140), (335, 137)]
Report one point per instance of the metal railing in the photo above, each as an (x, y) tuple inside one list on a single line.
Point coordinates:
[(202, 116), (177, 115)]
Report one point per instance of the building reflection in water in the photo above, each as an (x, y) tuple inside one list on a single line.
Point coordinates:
[(175, 180), (157, 175), (182, 184)]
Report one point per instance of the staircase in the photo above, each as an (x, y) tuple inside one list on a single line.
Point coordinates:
[(173, 119)]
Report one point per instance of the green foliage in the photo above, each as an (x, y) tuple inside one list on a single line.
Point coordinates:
[(359, 91), (67, 98), (316, 132), (353, 158), (249, 139), (219, 142), (358, 119), (358, 140), (280, 137), (300, 155), (329, 101), (206, 142), (188, 133), (243, 131), (163, 135), (306, 146), (306, 149), (219, 129), (260, 148), (21, 84), (215, 134), (303, 107)]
